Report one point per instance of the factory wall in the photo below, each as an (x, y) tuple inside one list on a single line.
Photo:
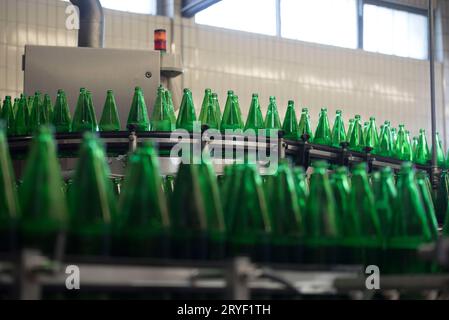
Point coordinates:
[(313, 75)]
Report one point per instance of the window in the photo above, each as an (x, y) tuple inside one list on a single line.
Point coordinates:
[(322, 21), (396, 32), (136, 6), (245, 15)]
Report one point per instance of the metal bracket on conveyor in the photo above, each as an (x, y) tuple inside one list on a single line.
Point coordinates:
[(303, 156), (132, 138), (344, 155), (369, 159)]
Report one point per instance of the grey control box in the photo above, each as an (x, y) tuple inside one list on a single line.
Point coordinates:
[(49, 68)]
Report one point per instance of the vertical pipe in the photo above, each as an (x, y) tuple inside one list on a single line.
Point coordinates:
[(432, 82), (434, 166)]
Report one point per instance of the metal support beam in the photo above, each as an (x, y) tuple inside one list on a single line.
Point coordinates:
[(192, 7)]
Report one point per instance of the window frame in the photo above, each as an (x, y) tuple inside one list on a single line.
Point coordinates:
[(360, 15)]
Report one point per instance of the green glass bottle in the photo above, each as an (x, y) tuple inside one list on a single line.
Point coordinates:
[(385, 143), (414, 145), (272, 120), (171, 108), (440, 153), (30, 101), (48, 108), (321, 221), (304, 126), (144, 222), (338, 130), (400, 146), (160, 119), (255, 120), (248, 221), (109, 117), (410, 227), (7, 115), (356, 140), (385, 194), (22, 120), (9, 204), (138, 113), (350, 128), (371, 136), (290, 125), (323, 131), (216, 107), (422, 154), (38, 116), (186, 115), (61, 114), (90, 104), (362, 227), (204, 105), (83, 119), (286, 217), (394, 135), (232, 116), (442, 196), (92, 202), (15, 106), (197, 214), (424, 187), (210, 118), (44, 217), (365, 129), (408, 153), (302, 187)]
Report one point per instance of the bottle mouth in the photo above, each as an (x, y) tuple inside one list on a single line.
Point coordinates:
[(255, 95), (230, 92)]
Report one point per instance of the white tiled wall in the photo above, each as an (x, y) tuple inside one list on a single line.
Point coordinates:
[(358, 82)]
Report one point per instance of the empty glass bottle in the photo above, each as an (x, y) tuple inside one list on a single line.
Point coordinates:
[(304, 126), (15, 106), (160, 119), (61, 114), (442, 196), (424, 187), (186, 115), (323, 131), (255, 120), (210, 116), (440, 153), (48, 108), (414, 145), (38, 116), (109, 117), (22, 120), (7, 115), (350, 128), (286, 217), (204, 105), (408, 147), (394, 135), (248, 222), (302, 187), (371, 136), (362, 227), (171, 108), (197, 215), (138, 113), (91, 201), (44, 217), (401, 144), (321, 221), (385, 193), (83, 118), (422, 154), (144, 221), (385, 142), (272, 120), (410, 226), (356, 140), (232, 115), (9, 204), (216, 107), (338, 131)]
